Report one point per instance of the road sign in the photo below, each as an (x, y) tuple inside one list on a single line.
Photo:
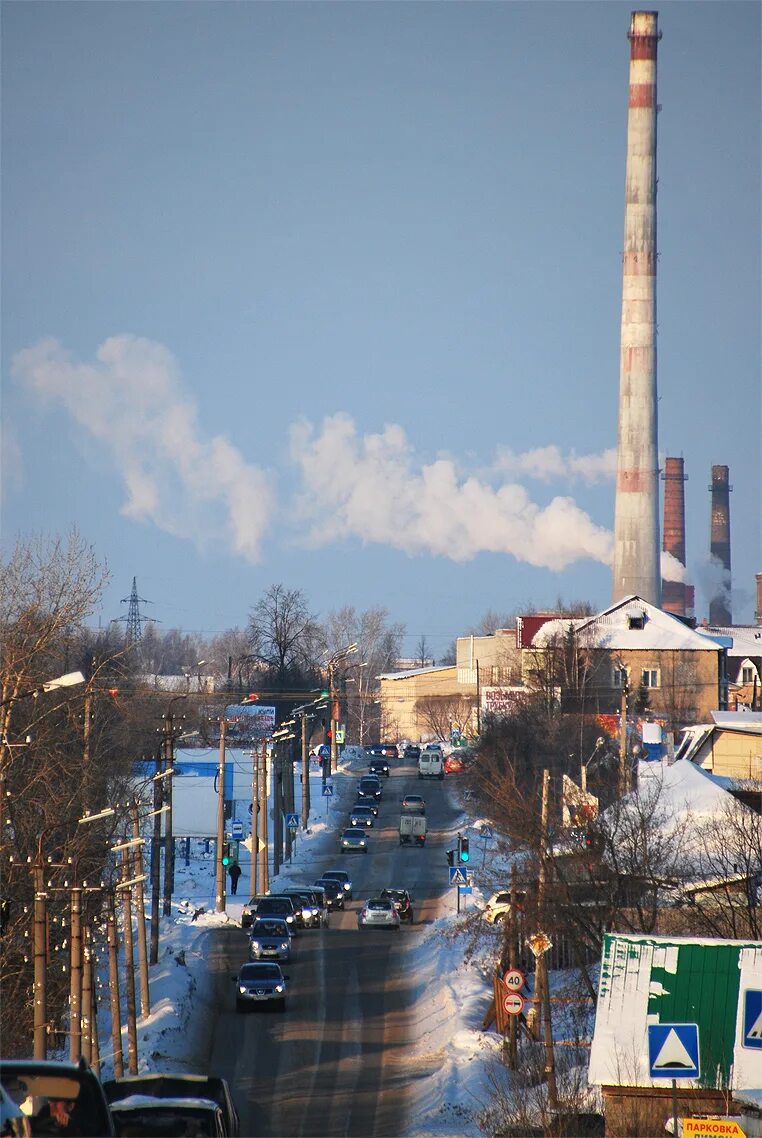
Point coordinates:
[(514, 979), (292, 821), (328, 790), (513, 1004), (236, 830), (457, 875), (673, 1050), (465, 889), (468, 794), (712, 1128), (539, 943), (752, 1018), (487, 831)]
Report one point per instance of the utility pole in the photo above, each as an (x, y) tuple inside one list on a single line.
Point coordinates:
[(113, 976), (87, 995), (542, 987), (512, 1049), (263, 837), (277, 796), (129, 956), (220, 889), (145, 997), (40, 957), (158, 802), (305, 775), (624, 774), (75, 974), (253, 863)]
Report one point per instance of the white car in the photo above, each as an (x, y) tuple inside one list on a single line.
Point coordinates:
[(498, 907), (379, 911)]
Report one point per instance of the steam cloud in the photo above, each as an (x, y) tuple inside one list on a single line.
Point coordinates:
[(546, 463), (671, 568), (369, 487), (131, 400)]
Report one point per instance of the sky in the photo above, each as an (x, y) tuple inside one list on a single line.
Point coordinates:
[(328, 295)]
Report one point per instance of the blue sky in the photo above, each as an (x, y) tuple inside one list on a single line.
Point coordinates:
[(328, 295)]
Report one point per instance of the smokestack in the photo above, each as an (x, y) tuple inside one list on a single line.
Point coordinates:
[(758, 613), (636, 518), (719, 544), (673, 592)]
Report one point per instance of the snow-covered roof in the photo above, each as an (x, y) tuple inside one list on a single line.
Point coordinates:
[(613, 629), (739, 721), (745, 640), (406, 675)]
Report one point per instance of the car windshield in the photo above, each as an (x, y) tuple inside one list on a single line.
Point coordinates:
[(261, 972), (335, 875), (362, 810), (275, 905), (379, 905), (269, 928), (352, 834), (394, 894), (331, 887)]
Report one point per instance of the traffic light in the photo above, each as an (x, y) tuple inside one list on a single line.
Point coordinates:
[(463, 854), (226, 858), (329, 734), (451, 857), (324, 694)]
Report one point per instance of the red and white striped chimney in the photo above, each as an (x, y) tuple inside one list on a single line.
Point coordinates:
[(636, 567)]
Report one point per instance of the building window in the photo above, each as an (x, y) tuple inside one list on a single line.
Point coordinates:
[(620, 678), (650, 678), (747, 675)]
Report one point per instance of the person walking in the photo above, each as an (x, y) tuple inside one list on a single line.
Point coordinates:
[(235, 872)]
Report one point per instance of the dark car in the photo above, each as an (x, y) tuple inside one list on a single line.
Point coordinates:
[(371, 803), (33, 1083), (277, 905), (361, 815), (402, 901), (169, 1085), (308, 907), (343, 879), (334, 892), (378, 766), (369, 787), (383, 750), (412, 751), (262, 984)]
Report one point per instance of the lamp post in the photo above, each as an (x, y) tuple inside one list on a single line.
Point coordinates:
[(333, 660)]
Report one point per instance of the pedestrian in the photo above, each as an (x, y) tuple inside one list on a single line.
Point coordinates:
[(235, 873)]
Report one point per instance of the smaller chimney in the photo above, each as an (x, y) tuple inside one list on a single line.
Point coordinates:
[(758, 613), (673, 541), (719, 544)]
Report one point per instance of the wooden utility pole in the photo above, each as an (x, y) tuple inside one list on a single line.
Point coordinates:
[(624, 774), (541, 998), (95, 1050), (158, 802), (219, 877), (75, 974), (145, 996), (88, 1026), (129, 956), (277, 796), (113, 976), (169, 841), (305, 776), (512, 1048), (254, 862), (39, 950)]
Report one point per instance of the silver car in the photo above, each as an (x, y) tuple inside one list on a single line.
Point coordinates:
[(379, 911), (260, 983), (270, 939), (354, 840)]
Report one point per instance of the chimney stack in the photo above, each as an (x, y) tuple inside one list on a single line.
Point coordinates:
[(758, 613), (636, 566), (673, 593), (719, 544)]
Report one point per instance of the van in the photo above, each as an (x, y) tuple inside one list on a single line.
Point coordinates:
[(431, 764)]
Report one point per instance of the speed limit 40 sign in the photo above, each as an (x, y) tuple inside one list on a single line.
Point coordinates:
[(514, 979)]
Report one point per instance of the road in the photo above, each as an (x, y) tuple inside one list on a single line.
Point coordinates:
[(339, 1061)]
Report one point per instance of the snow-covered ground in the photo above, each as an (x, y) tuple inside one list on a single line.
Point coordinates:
[(452, 963)]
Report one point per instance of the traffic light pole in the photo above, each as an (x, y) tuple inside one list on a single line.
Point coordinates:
[(219, 888)]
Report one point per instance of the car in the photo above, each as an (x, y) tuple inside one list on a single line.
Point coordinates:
[(413, 804), (402, 902), (334, 893), (369, 787), (361, 815), (270, 939), (177, 1085), (378, 766), (308, 910), (29, 1084), (260, 983), (342, 877), (454, 764), (498, 907), (371, 803), (354, 839), (412, 751), (321, 900), (378, 911), (144, 1114), (276, 905), (383, 750)]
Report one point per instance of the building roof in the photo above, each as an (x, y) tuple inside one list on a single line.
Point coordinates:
[(612, 630), (747, 721), (410, 672), (744, 641)]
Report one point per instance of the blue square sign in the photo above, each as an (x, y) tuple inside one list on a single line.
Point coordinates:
[(673, 1050), (752, 1018)]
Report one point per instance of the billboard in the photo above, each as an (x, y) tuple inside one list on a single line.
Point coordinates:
[(248, 722), (501, 701)]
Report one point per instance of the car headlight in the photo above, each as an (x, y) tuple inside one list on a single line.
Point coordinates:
[(346, 886), (279, 987), (290, 919), (255, 946), (284, 946), (242, 989)]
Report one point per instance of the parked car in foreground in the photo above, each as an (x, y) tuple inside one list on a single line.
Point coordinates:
[(378, 911), (31, 1084), (156, 1117), (354, 840), (260, 985), (178, 1086)]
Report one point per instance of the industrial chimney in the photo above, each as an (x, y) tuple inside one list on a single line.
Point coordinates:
[(719, 545), (758, 612), (636, 518), (673, 592)]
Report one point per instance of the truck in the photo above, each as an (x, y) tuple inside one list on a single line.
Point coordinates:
[(412, 829)]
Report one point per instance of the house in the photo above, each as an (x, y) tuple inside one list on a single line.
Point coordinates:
[(424, 703), (744, 664), (730, 744), (631, 653)]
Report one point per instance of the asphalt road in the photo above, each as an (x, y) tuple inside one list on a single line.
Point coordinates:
[(339, 1060)]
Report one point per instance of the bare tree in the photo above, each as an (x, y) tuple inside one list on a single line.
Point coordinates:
[(378, 647), (285, 635), (440, 713), (421, 651)]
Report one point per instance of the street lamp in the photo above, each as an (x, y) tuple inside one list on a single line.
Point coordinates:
[(333, 660)]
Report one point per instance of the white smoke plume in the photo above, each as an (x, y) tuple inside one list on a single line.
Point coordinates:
[(130, 399), (714, 580), (371, 487), (547, 463), (671, 568)]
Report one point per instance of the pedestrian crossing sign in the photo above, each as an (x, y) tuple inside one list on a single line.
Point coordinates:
[(752, 1018), (458, 876), (673, 1050)]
